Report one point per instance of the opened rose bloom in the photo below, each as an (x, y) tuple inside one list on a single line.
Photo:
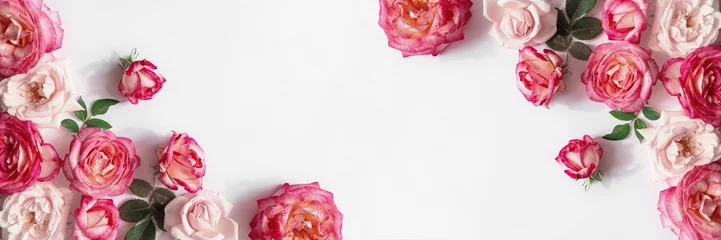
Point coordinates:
[(624, 19), (518, 23), (681, 26), (422, 27), (620, 75), (100, 164), (201, 215), (24, 157), (182, 163), (297, 211), (580, 157), (96, 219), (28, 30), (539, 76), (696, 81), (39, 212)]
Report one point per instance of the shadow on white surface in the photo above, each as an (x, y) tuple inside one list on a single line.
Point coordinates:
[(103, 77)]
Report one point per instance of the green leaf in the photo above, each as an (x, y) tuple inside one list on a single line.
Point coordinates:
[(141, 188), (70, 125), (101, 106), (576, 9), (563, 27), (580, 51), (157, 212), (98, 123), (124, 63), (586, 28), (619, 132), (143, 230), (82, 114), (162, 196), (558, 43), (134, 210), (623, 116), (651, 114), (639, 124), (596, 176)]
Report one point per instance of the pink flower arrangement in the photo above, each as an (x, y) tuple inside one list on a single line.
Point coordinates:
[(691, 209), (580, 157), (141, 80), (182, 163), (538, 75), (624, 19), (96, 219)]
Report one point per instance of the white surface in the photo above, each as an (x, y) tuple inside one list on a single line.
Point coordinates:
[(416, 148)]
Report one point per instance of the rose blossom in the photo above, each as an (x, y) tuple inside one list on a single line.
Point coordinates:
[(141, 80), (681, 26), (297, 211), (99, 164), (519, 23), (28, 30), (421, 27), (182, 163), (580, 157), (624, 19), (24, 156), (696, 81), (39, 212), (621, 75), (538, 75), (96, 219), (201, 215)]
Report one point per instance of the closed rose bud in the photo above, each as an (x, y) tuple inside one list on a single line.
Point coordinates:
[(182, 163), (96, 219), (624, 19), (580, 157), (141, 79), (538, 75)]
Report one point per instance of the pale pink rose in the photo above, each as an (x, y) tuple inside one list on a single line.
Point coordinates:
[(24, 157), (624, 19), (519, 23), (96, 219), (100, 164), (182, 163), (580, 157), (201, 215), (297, 211), (28, 30), (141, 80), (681, 26), (620, 75), (539, 76), (695, 81), (421, 27), (39, 212)]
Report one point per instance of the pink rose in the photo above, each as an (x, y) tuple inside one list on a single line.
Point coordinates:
[(298, 211), (624, 19), (696, 82), (182, 163), (140, 81), (421, 27), (580, 157), (621, 75), (538, 75), (201, 215), (24, 157), (681, 26), (519, 23), (96, 219), (28, 30), (99, 164), (692, 208)]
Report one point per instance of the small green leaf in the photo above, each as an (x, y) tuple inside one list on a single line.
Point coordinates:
[(639, 124), (558, 43), (143, 230), (157, 212), (162, 196), (586, 28), (70, 125), (98, 123), (623, 116), (563, 27), (134, 210), (596, 176), (580, 51), (651, 114), (141, 188), (619, 132), (101, 106), (124, 63), (576, 9), (82, 114)]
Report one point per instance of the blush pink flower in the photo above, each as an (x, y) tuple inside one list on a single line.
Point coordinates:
[(580, 157), (24, 157), (298, 211), (96, 219), (620, 75), (421, 27), (201, 215), (28, 30), (538, 75), (624, 19), (141, 79), (182, 163), (100, 164), (696, 81), (518, 23)]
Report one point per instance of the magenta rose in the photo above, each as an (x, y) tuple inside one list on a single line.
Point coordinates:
[(421, 27), (100, 164), (96, 219), (620, 75), (297, 211), (624, 19), (141, 80), (538, 75), (580, 157), (696, 81), (182, 163), (29, 30)]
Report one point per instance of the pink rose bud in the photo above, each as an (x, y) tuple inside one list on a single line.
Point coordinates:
[(182, 163), (141, 79), (96, 219), (538, 75), (624, 19), (580, 158), (302, 211)]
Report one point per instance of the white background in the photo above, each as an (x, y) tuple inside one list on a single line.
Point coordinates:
[(415, 148)]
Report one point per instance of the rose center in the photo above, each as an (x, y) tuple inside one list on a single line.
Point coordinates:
[(34, 93), (686, 146), (14, 33)]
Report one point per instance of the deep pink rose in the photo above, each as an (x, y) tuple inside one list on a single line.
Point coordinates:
[(624, 19), (692, 209), (99, 164), (580, 157), (538, 75), (25, 157), (141, 81), (28, 30), (182, 163), (421, 27), (96, 219), (298, 211), (696, 81), (621, 75)]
